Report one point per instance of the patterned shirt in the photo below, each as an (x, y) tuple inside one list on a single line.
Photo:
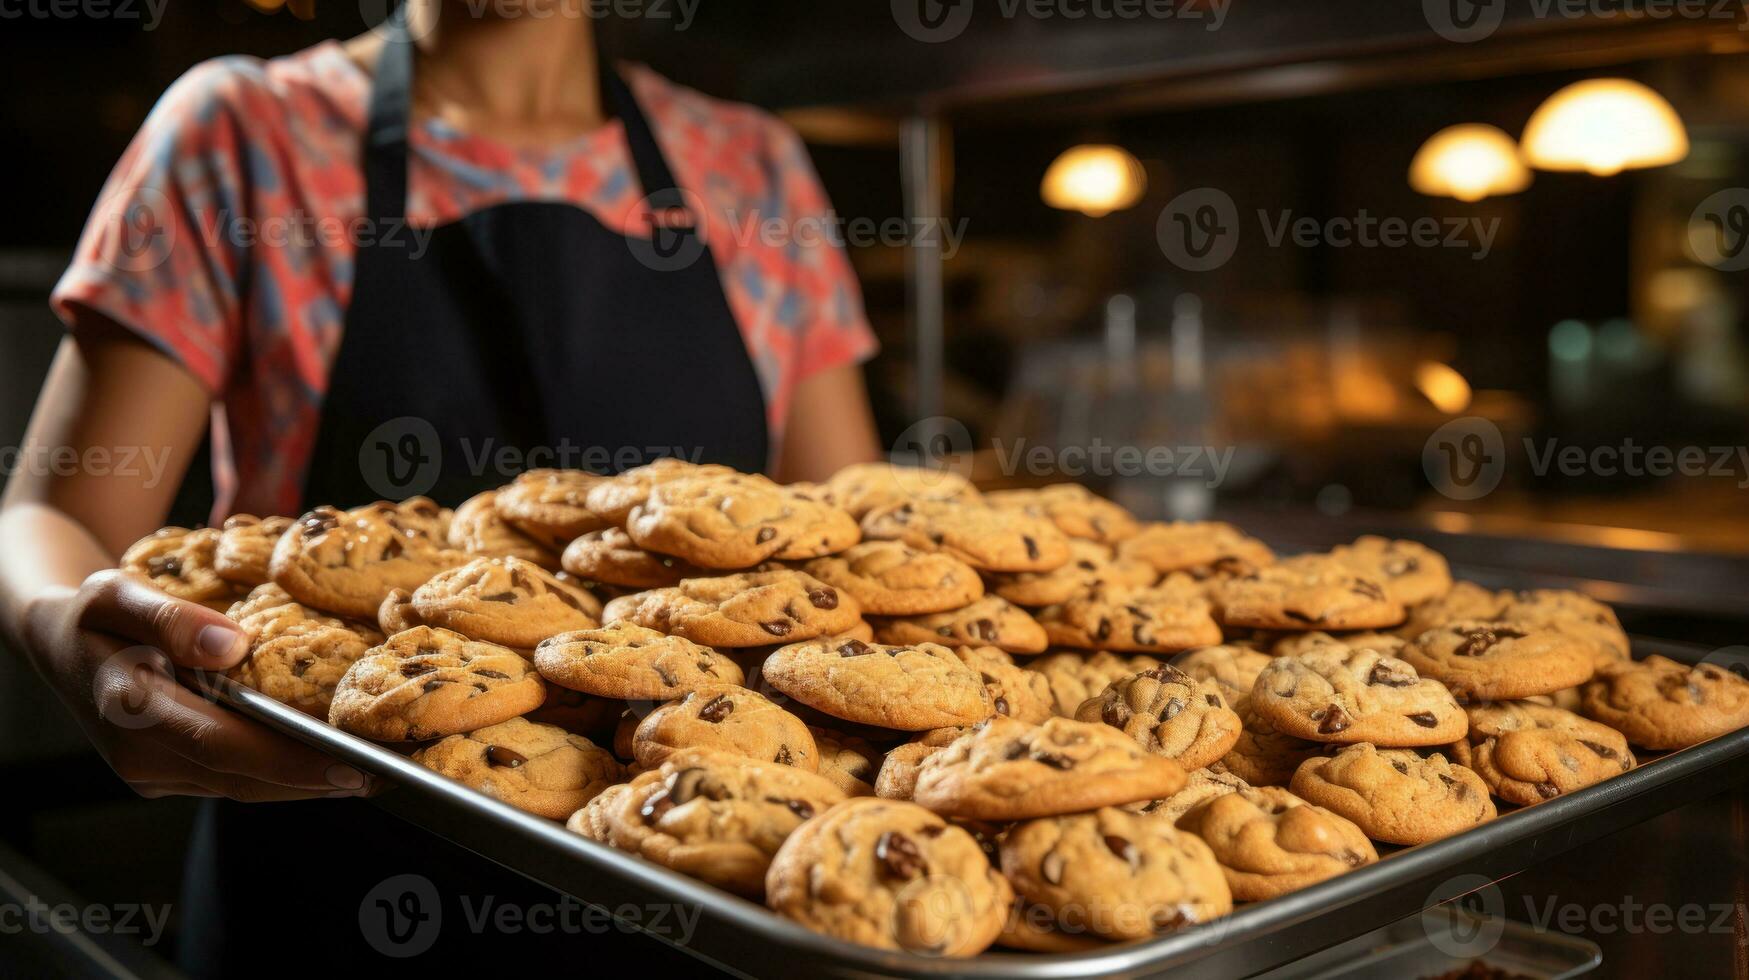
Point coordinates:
[(222, 238)]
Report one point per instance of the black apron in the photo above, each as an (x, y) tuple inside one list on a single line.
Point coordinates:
[(526, 326)]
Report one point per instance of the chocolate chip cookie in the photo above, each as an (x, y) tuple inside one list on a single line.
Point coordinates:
[(737, 522), (1410, 571), (862, 487), (1004, 769), (1024, 695), (987, 538), (1075, 676), (1578, 615), (1115, 874), (269, 611), (1498, 661), (1527, 753), (590, 820), (1263, 755), (1463, 601), (892, 875), (990, 621), (1203, 547), (1166, 618), (508, 601), (622, 660), (897, 778), (1294, 644), (1090, 564), (419, 517), (613, 499), (1309, 592), (1269, 842), (717, 817), (478, 529), (1231, 669), (846, 761), (1200, 786), (1075, 510), (1345, 695), (747, 610), (890, 578), (910, 688), (551, 506), (542, 769), (426, 683), (609, 556), (1661, 704), (726, 718), (180, 562), (246, 546), (347, 563), (1396, 795), (301, 666), (1169, 713)]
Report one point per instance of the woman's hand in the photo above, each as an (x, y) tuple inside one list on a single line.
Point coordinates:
[(108, 650)]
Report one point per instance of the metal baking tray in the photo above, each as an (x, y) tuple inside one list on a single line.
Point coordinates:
[(742, 938)]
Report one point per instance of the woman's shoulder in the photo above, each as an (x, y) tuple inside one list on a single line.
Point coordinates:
[(262, 96), (726, 130)]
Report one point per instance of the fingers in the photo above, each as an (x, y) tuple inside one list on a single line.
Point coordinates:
[(207, 744), (190, 634)]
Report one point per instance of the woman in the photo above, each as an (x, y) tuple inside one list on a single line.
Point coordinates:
[(461, 231)]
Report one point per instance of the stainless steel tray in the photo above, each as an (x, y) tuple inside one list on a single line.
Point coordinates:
[(743, 938)]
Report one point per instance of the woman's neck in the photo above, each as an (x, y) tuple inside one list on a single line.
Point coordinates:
[(518, 71)]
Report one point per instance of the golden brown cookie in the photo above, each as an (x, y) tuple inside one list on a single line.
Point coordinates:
[(1308, 592), (1200, 786), (1345, 695), (1115, 874), (1586, 620), (1169, 713), (1075, 510), (508, 601), (897, 778), (1527, 753), (750, 609), (348, 562), (478, 529), (1232, 669), (269, 611), (1263, 755), (542, 769), (179, 562), (734, 522), (246, 546), (1203, 547), (613, 499), (1074, 675), (1004, 769), (910, 688), (301, 666), (1410, 571), (590, 820), (1166, 618), (846, 761), (622, 660), (990, 621), (1499, 661), (862, 487), (726, 718), (1090, 564), (550, 506), (987, 538), (1024, 695), (609, 556), (889, 578), (426, 683), (1661, 704), (1396, 795), (1270, 842)]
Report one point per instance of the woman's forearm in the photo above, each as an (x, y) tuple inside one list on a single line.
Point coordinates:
[(43, 553)]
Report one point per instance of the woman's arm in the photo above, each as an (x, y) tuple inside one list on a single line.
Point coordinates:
[(830, 426), (114, 430)]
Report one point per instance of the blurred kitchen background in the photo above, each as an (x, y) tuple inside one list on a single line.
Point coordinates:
[(1593, 300)]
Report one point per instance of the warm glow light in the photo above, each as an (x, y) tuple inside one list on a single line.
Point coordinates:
[(1468, 161), (1604, 126), (1443, 386), (1094, 180)]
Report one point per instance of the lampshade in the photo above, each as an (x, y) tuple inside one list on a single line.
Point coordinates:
[(1468, 161), (1604, 126), (1094, 179)]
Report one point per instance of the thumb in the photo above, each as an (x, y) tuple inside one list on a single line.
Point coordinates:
[(190, 634)]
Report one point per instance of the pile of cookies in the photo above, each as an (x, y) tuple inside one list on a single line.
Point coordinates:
[(912, 715)]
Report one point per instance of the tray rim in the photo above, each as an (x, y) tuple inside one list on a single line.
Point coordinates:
[(1251, 923)]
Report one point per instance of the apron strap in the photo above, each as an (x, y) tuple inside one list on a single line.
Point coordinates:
[(386, 136)]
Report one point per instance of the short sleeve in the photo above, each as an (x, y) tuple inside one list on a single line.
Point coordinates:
[(824, 302), (157, 255)]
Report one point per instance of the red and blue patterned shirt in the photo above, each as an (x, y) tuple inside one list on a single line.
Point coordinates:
[(222, 238)]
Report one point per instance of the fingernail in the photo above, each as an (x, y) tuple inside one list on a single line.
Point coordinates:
[(217, 642)]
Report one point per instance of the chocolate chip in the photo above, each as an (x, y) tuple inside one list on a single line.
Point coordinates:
[(1002, 706), (317, 521), (1031, 546), (1547, 791), (1424, 718), (1370, 589), (716, 709), (499, 597), (1334, 720), (899, 856), (302, 664), (854, 648), (430, 686), (1114, 713), (1104, 629), (1477, 641), (800, 808), (824, 597), (1353, 859), (667, 679), (411, 669), (1169, 919), (777, 627), (1054, 761), (1122, 848), (693, 782), (503, 758), (494, 674), (394, 549), (1399, 765), (1214, 702), (783, 757), (1602, 750), (934, 830), (1015, 751), (1387, 675), (164, 565)]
